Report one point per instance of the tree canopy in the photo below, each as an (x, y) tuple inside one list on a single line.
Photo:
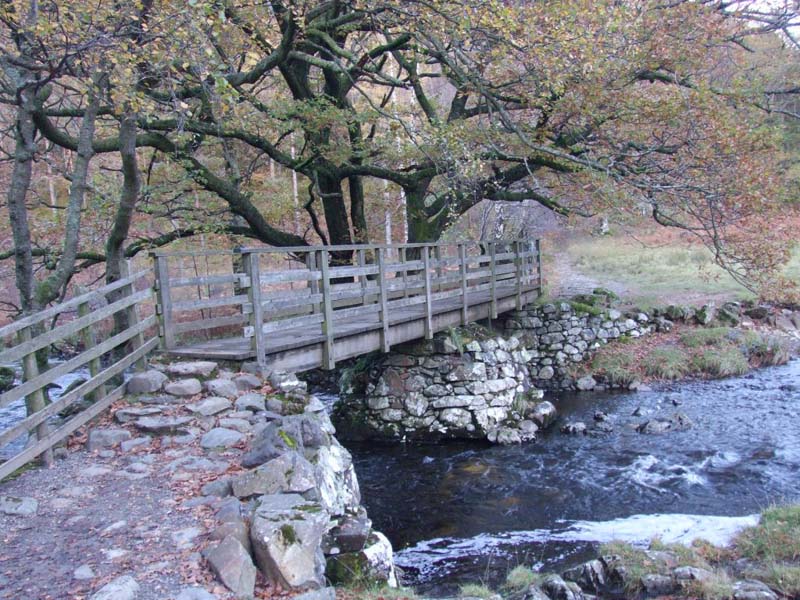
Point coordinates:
[(684, 109)]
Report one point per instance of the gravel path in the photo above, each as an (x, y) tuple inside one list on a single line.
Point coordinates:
[(136, 513)]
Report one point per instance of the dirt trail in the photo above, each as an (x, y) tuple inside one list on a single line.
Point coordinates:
[(566, 281)]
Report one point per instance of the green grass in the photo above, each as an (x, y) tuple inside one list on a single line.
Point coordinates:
[(775, 545), (617, 366), (695, 338), (667, 362), (654, 271), (520, 578), (475, 590), (722, 361), (776, 537)]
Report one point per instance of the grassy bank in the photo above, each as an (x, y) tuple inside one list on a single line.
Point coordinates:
[(768, 552), (685, 352)]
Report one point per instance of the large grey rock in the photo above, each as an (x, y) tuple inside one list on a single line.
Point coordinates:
[(233, 566), (121, 588), (195, 593), (253, 401), (246, 382), (558, 589), (126, 415), (222, 387), (677, 422), (233, 527), (705, 315), (83, 573), (374, 563), (286, 535), (295, 432), (289, 472), (574, 428), (544, 414), (146, 382), (327, 593), (284, 382), (590, 576), (750, 589), (219, 437), (586, 383), (337, 485), (197, 368), (658, 585), (18, 507), (184, 387), (210, 406), (163, 425), (688, 574), (351, 533), (106, 438)]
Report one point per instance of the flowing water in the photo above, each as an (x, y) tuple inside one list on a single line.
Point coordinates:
[(464, 512), (15, 412)]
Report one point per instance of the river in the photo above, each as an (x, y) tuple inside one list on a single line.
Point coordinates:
[(15, 412), (465, 512)]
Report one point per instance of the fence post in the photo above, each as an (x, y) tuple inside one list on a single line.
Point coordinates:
[(35, 401), (539, 267), (132, 313), (383, 300), (362, 279), (163, 302), (518, 263), (437, 253), (328, 360), (313, 284), (401, 256), (462, 265), (426, 267), (90, 341), (493, 279), (253, 272)]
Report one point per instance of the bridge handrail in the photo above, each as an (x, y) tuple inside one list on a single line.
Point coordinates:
[(121, 350)]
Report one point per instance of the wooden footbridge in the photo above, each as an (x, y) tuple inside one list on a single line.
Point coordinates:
[(303, 308), (284, 308)]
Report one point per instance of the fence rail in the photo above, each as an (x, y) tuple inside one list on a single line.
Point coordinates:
[(81, 320)]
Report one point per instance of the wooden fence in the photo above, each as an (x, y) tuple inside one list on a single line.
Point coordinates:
[(251, 298), (313, 287), (81, 320)]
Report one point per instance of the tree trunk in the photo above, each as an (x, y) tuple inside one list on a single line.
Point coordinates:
[(24, 151), (129, 195), (50, 288)]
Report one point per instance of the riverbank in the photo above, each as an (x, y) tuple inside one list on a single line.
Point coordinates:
[(761, 562)]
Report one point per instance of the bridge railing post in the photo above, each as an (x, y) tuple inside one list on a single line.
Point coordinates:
[(426, 269), (163, 301), (328, 360), (540, 278), (313, 284), (384, 300), (493, 279), (132, 314), (362, 279), (252, 269), (519, 273), (404, 273), (462, 267)]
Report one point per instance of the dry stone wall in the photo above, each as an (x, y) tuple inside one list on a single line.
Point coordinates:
[(474, 384), (558, 336)]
